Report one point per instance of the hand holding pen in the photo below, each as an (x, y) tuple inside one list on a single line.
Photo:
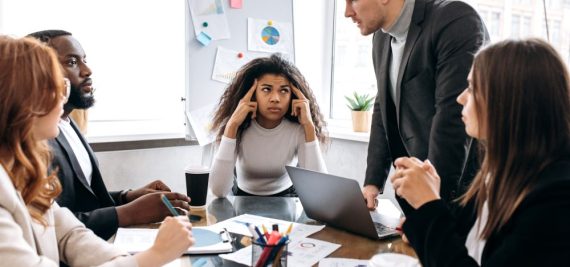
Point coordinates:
[(173, 239), (169, 205)]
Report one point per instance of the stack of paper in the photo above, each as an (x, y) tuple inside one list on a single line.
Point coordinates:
[(238, 225), (302, 252)]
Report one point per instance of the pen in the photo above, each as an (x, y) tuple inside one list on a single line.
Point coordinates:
[(251, 229), (260, 239), (289, 229), (265, 232), (168, 205)]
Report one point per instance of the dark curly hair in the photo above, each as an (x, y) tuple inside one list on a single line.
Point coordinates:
[(245, 78)]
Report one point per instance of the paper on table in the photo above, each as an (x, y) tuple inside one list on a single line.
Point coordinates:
[(302, 252), (207, 240), (342, 262), (174, 263), (237, 225)]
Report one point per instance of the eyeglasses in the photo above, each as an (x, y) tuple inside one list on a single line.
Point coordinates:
[(67, 85)]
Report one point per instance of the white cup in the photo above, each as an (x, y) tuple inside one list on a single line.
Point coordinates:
[(393, 260)]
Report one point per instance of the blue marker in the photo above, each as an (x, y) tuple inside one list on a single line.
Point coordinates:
[(168, 205), (260, 239)]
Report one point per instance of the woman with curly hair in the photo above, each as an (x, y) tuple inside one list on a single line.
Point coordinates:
[(34, 230), (267, 118)]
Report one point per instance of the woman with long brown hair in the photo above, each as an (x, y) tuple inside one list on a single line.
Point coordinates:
[(34, 230), (268, 117), (516, 211)]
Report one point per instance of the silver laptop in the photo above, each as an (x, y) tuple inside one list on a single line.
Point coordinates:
[(339, 202)]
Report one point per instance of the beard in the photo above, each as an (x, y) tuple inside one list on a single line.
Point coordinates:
[(79, 100)]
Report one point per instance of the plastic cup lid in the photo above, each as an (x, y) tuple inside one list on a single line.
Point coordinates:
[(393, 260), (197, 169)]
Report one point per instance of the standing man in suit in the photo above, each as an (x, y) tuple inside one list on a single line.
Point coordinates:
[(422, 54), (83, 189)]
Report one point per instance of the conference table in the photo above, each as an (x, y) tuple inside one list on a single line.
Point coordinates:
[(287, 209)]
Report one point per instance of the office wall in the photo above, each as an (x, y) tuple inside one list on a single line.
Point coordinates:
[(134, 168)]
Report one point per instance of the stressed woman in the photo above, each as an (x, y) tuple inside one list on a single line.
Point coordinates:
[(34, 230), (267, 118), (515, 212)]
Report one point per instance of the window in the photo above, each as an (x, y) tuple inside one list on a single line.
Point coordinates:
[(515, 28), (138, 66), (503, 18), (352, 69)]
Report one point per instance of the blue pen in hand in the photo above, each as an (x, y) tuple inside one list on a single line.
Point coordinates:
[(168, 205)]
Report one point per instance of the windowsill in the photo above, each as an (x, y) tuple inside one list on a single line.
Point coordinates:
[(133, 137), (129, 131), (342, 129)]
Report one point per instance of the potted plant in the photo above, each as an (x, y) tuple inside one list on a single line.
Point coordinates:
[(360, 105)]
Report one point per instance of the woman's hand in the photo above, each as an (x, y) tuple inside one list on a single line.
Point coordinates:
[(301, 109), (415, 181), (244, 107), (173, 239)]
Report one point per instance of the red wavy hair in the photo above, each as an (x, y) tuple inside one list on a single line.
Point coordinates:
[(31, 85)]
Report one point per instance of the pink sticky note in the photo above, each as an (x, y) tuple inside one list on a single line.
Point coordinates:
[(235, 3)]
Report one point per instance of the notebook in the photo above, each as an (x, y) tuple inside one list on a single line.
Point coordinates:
[(208, 241), (339, 202)]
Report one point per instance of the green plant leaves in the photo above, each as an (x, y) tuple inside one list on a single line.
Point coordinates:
[(359, 102)]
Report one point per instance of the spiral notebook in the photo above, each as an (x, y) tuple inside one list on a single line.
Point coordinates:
[(208, 241)]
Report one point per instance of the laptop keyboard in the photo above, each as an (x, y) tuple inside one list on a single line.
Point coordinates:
[(382, 229)]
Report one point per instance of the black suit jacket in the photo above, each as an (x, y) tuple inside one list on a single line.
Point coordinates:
[(537, 234), (425, 120), (93, 205)]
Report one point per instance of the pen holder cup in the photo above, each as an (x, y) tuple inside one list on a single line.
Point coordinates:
[(263, 255)]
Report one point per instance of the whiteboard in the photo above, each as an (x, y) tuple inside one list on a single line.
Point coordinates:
[(201, 89)]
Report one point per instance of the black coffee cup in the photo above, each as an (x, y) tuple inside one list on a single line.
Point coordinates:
[(197, 185)]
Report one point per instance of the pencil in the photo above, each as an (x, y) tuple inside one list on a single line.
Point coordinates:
[(168, 205)]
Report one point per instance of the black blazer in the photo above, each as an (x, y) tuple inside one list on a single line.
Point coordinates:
[(425, 120), (93, 205), (538, 233)]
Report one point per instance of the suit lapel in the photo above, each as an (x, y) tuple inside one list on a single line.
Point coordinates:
[(85, 144), (73, 160), (413, 32), (382, 74), (97, 184)]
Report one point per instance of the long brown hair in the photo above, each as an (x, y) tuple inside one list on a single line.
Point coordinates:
[(522, 93), (31, 85), (244, 80)]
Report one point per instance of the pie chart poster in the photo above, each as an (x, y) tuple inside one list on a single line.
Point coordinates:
[(266, 35)]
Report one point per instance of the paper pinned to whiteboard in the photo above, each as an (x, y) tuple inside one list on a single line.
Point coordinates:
[(227, 63), (270, 36), (201, 123), (208, 16)]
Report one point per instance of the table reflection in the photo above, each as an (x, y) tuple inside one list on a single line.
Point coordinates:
[(282, 208)]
